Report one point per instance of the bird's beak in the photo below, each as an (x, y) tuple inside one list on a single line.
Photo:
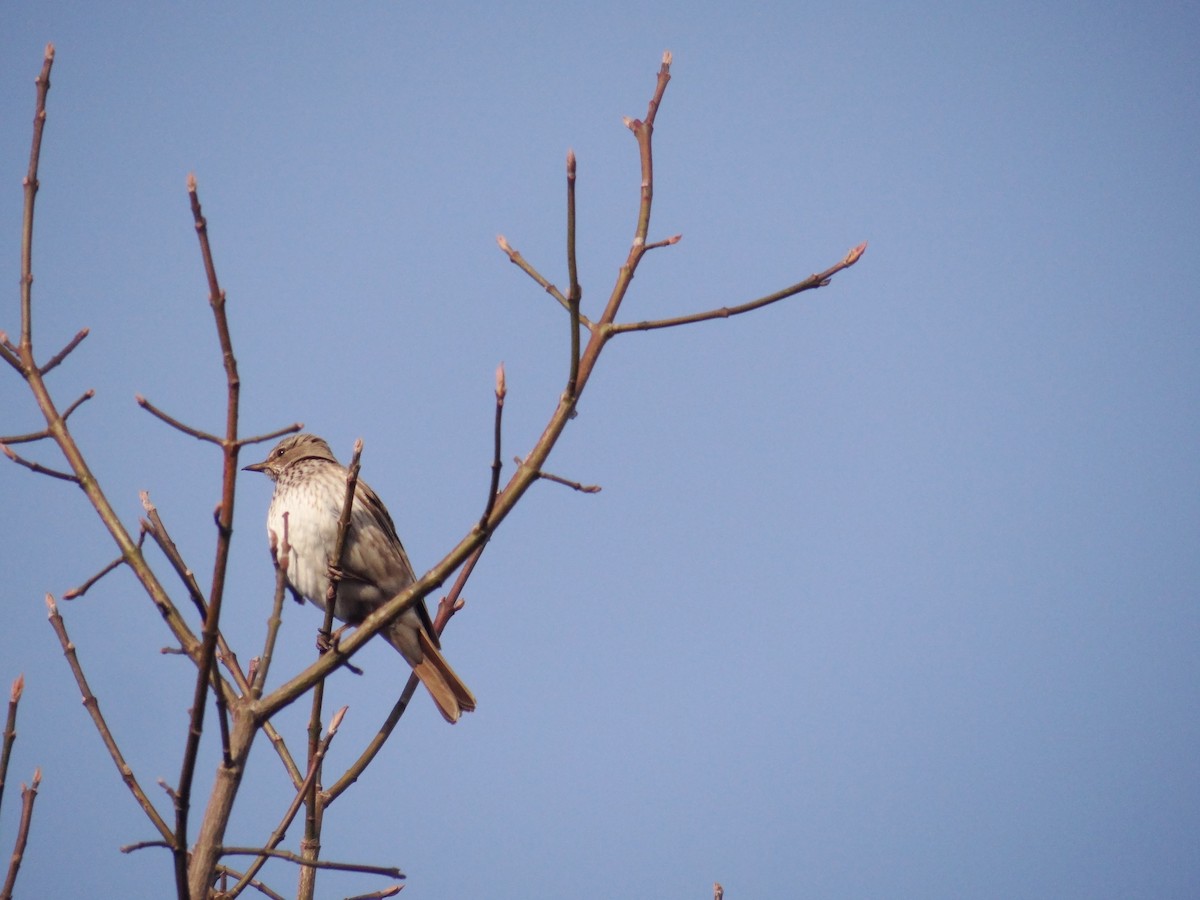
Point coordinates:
[(256, 467)]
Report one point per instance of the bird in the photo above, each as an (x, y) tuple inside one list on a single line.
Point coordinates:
[(310, 489)]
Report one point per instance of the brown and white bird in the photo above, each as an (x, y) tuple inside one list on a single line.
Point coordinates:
[(310, 487)]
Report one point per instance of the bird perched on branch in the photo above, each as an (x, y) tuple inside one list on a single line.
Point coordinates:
[(310, 488)]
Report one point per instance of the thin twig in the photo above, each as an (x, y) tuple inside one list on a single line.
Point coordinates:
[(86, 586), (10, 730), (819, 280), (558, 479), (312, 802), (28, 796), (87, 395), (302, 793), (205, 855), (158, 530), (254, 883), (449, 605), (379, 895), (665, 242), (281, 553), (38, 467), (270, 435), (574, 291), (27, 438), (31, 188), (175, 423), (494, 486), (523, 264), (92, 705), (63, 354), (386, 871)]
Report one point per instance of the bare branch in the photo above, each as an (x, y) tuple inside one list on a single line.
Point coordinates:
[(175, 423), (302, 793), (63, 353), (501, 392), (31, 189), (280, 554), (254, 883), (557, 479), (92, 705), (386, 871), (819, 280), (574, 291), (28, 796), (157, 530), (666, 242), (521, 263), (271, 435), (38, 467), (379, 895), (86, 586), (10, 730)]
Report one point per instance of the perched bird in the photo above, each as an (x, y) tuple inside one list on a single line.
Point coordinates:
[(310, 488)]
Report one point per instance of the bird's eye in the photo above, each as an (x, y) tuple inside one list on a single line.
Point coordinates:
[(279, 452)]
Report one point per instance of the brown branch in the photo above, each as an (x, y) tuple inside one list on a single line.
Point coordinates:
[(9, 355), (38, 467), (558, 479), (92, 705), (205, 859), (157, 530), (311, 844), (87, 585), (521, 479), (63, 354), (302, 793), (524, 265), (28, 796), (259, 886), (379, 895), (449, 605), (231, 873), (280, 555), (10, 730), (31, 188), (175, 423), (87, 395), (271, 435), (574, 291), (386, 871), (501, 392), (819, 280), (666, 242), (27, 438)]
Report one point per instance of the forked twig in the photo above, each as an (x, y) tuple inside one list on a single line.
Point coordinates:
[(302, 794)]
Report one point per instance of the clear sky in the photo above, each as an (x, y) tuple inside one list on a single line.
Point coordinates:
[(891, 590)]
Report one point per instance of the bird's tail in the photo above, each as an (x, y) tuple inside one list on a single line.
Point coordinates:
[(452, 696)]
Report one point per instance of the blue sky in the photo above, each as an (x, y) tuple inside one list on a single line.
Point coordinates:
[(892, 589)]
